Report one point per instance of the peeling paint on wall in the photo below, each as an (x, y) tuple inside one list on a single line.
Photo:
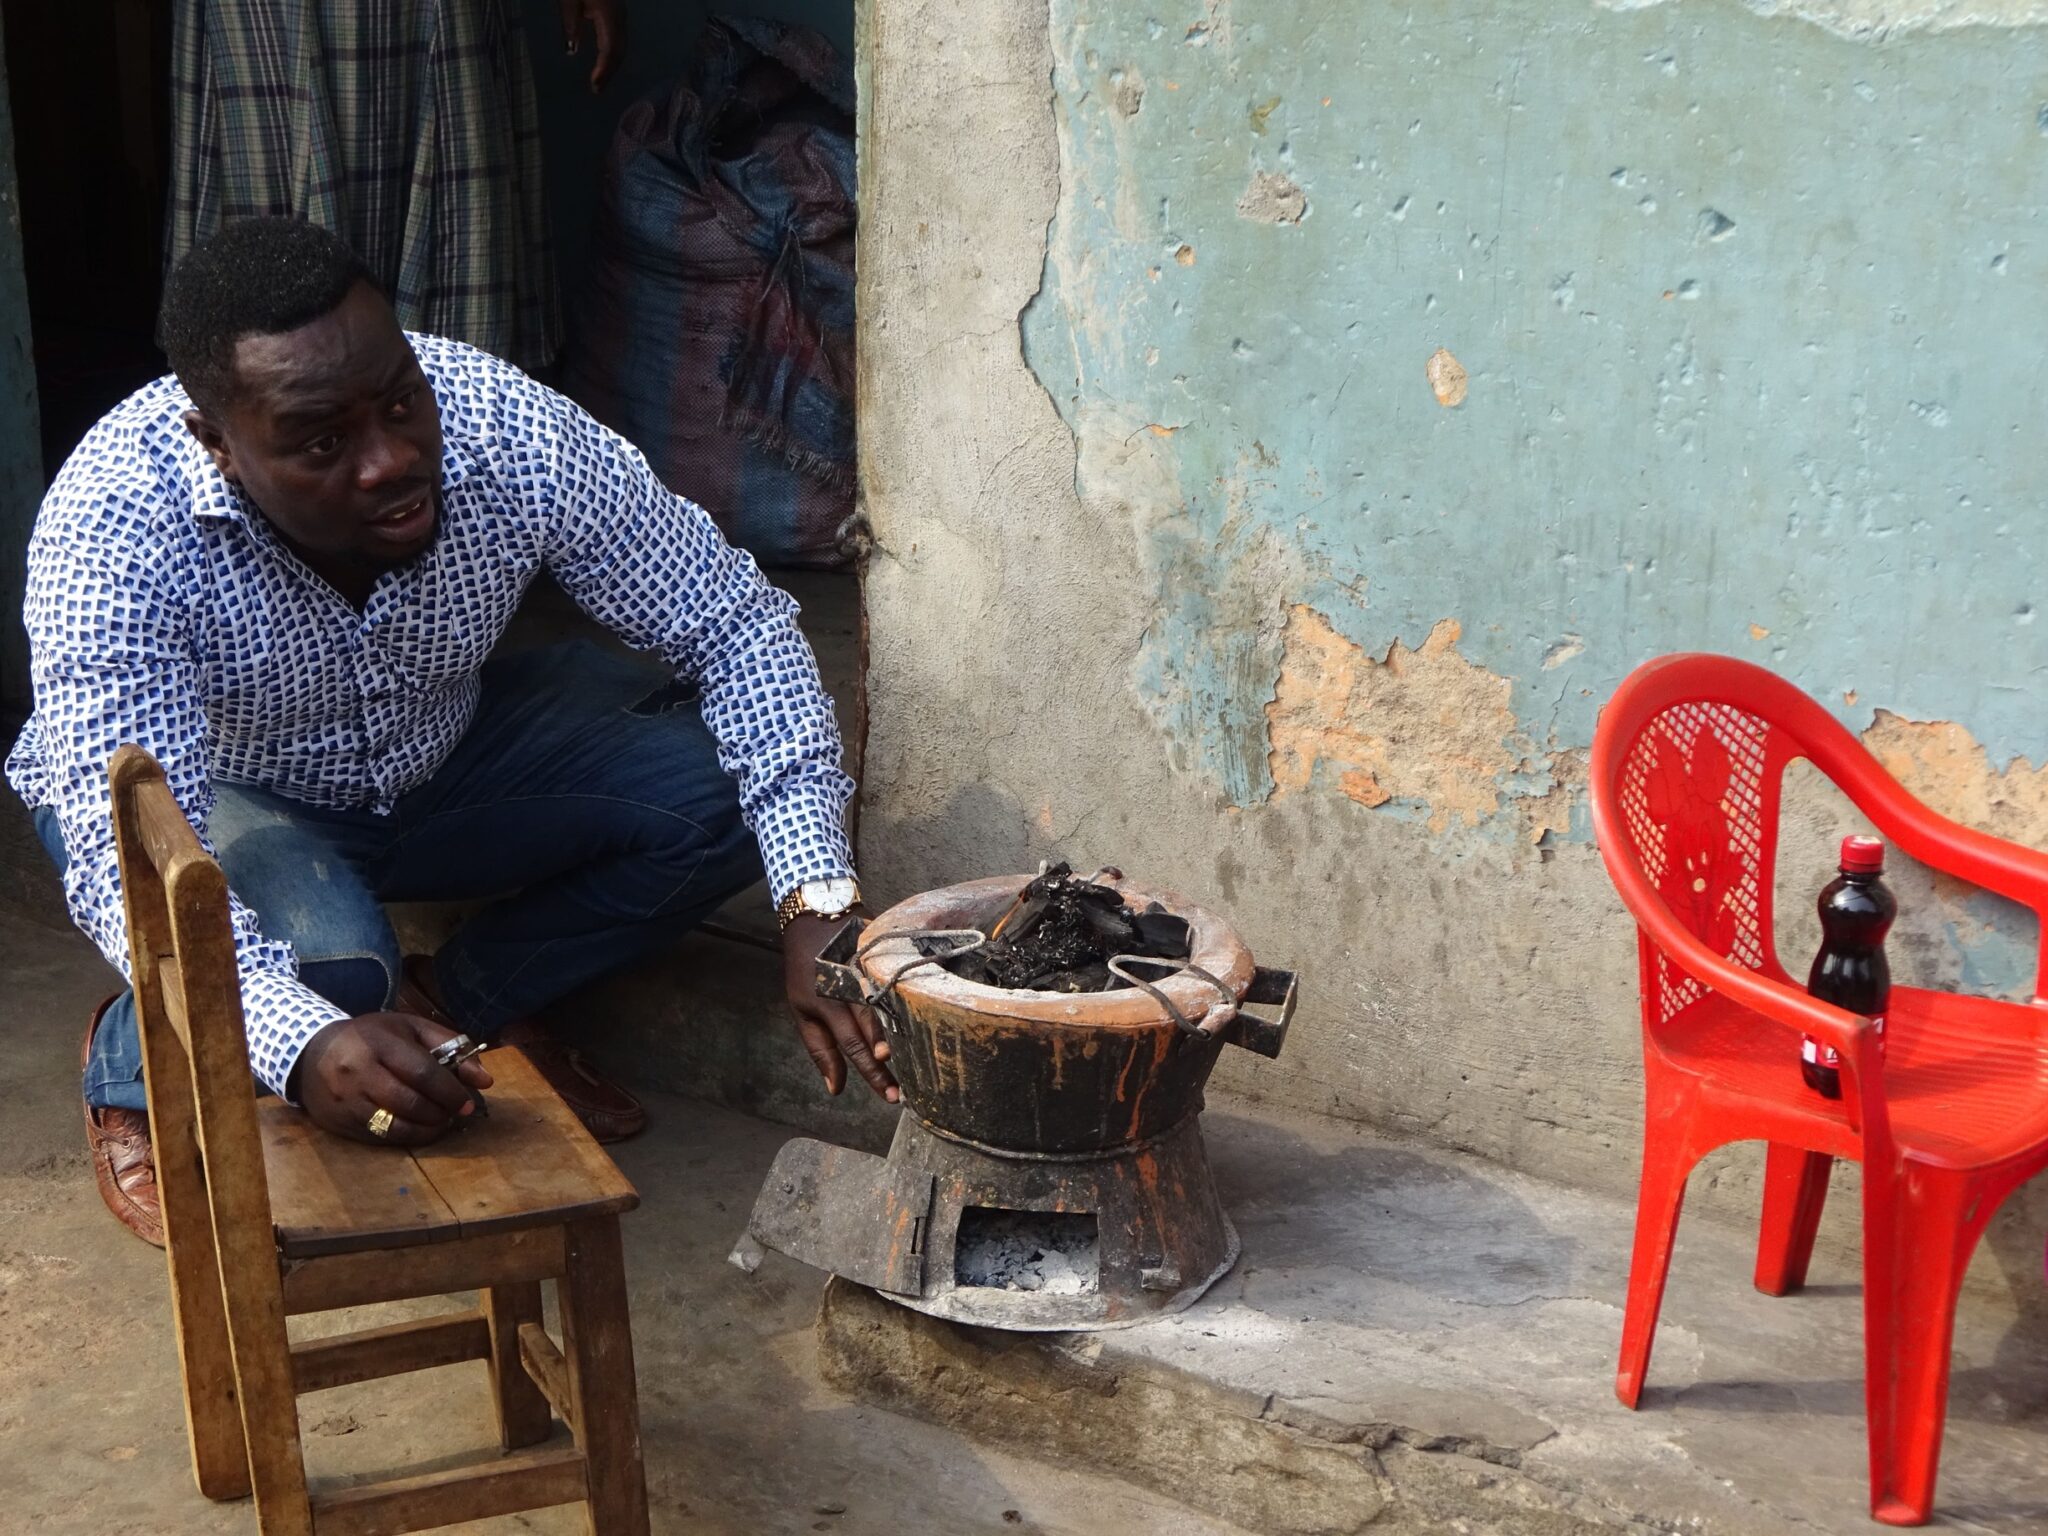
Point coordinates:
[(1540, 187), (1555, 813), (1448, 380), (1423, 725), (1272, 199), (1129, 86), (1874, 20), (1943, 765)]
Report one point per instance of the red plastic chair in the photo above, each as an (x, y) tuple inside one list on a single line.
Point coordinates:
[(1947, 1117)]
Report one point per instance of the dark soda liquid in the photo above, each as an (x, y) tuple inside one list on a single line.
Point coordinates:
[(1850, 971)]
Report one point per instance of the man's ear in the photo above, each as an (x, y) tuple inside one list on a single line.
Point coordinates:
[(214, 441)]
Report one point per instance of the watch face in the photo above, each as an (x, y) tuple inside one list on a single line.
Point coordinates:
[(831, 896)]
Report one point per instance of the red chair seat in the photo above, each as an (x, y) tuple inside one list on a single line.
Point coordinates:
[(1966, 1077)]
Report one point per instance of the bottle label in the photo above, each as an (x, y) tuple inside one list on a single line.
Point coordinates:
[(1814, 1054)]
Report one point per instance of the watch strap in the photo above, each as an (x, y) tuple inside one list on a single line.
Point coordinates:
[(794, 905)]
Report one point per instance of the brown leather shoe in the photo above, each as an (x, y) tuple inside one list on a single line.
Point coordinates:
[(607, 1111), (121, 1162)]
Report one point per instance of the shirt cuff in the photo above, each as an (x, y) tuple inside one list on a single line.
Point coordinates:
[(803, 838), (281, 1013)]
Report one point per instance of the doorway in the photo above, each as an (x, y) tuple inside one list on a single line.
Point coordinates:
[(91, 107)]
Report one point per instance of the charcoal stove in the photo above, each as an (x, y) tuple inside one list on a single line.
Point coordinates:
[(1048, 1171)]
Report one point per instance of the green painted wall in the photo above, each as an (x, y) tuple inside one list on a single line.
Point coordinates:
[(1751, 311)]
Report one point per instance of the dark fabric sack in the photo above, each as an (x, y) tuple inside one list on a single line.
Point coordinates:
[(716, 328)]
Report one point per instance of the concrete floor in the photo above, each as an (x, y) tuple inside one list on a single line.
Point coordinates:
[(1414, 1341), (740, 1435)]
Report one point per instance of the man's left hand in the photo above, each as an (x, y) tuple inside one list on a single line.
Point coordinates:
[(835, 1033)]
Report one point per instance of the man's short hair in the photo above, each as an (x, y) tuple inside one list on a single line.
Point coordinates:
[(256, 277)]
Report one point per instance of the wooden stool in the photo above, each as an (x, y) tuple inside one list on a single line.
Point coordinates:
[(267, 1217)]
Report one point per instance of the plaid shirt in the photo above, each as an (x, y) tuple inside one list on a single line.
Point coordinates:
[(408, 127), (162, 610)]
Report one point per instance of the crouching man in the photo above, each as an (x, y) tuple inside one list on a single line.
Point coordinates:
[(282, 571)]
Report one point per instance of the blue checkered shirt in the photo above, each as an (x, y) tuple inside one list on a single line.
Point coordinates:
[(162, 610)]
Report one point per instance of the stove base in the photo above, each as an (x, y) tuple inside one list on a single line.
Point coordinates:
[(997, 1240), (1160, 1236)]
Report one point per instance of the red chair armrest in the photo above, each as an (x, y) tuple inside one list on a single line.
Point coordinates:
[(1773, 999), (2006, 869), (1852, 1035)]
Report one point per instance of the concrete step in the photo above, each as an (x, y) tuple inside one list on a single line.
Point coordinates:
[(709, 1019), (1417, 1342)]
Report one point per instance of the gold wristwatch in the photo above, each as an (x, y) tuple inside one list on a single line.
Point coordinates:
[(822, 898)]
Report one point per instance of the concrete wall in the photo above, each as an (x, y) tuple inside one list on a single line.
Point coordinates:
[(1285, 424)]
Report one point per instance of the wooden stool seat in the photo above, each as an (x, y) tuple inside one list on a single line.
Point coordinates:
[(528, 1163), (268, 1217)]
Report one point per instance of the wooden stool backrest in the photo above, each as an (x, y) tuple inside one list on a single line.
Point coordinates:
[(202, 1108), (188, 997)]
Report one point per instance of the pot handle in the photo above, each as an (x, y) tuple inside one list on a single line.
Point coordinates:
[(838, 976), (1270, 988), (839, 973), (1226, 1019)]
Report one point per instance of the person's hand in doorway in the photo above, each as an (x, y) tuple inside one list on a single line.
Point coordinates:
[(374, 1078), (836, 1034), (606, 20)]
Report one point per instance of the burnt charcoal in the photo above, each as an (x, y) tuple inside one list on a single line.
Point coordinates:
[(1114, 926), (1061, 933), (1161, 933)]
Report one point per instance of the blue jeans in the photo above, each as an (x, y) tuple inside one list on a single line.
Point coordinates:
[(585, 787)]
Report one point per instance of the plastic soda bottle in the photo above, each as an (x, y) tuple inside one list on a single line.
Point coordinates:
[(1856, 912)]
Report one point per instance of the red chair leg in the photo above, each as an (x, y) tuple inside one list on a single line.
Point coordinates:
[(1795, 1189), (1910, 1281), (1666, 1163)]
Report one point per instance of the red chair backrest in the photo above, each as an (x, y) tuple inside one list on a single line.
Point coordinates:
[(1687, 772)]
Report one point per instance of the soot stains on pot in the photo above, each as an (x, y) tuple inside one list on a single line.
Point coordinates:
[(1029, 1101)]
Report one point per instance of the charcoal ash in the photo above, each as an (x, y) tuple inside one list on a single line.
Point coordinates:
[(1053, 1253), (1062, 931)]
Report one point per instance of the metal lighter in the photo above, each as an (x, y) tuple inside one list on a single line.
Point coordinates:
[(453, 1053)]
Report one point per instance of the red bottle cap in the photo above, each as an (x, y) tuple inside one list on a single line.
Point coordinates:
[(1863, 855)]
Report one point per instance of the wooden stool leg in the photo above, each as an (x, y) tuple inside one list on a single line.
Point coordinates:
[(597, 1339), (213, 1417), (254, 1300), (523, 1417)]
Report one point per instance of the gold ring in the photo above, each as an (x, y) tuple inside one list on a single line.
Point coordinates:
[(380, 1122)]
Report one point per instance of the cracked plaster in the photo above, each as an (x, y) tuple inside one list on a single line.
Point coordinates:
[(1794, 442)]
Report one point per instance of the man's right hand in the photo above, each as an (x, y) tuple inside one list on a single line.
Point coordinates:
[(355, 1067)]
